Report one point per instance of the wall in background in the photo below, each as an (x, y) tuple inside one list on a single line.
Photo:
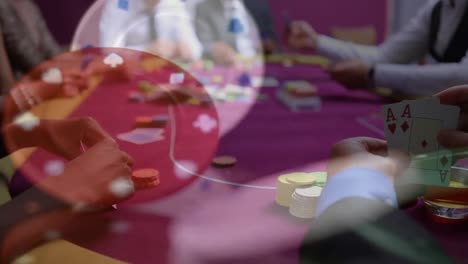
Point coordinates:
[(325, 14), (63, 16)]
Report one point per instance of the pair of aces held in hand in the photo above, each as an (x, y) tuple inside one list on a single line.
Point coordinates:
[(413, 127)]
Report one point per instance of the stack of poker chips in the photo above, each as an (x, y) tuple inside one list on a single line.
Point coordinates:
[(159, 121), (145, 178), (300, 192), (304, 202), (447, 213), (301, 89)]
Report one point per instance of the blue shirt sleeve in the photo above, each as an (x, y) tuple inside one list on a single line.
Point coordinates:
[(357, 182)]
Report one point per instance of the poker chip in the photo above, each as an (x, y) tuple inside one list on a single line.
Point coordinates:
[(146, 87), (284, 190), (304, 202), (300, 179), (446, 213), (224, 162), (145, 178), (151, 122), (137, 97), (160, 121), (301, 89), (287, 184)]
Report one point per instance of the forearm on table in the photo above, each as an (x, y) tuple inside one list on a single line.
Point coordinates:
[(338, 50), (420, 79), (29, 207)]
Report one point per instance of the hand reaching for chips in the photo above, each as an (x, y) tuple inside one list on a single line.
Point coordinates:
[(100, 177)]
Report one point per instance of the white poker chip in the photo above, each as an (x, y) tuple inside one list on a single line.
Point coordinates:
[(304, 202)]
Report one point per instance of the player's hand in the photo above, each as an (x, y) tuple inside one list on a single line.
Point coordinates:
[(302, 35), (65, 137), (367, 153), (223, 54), (73, 84), (354, 74), (185, 52), (456, 139), (99, 178), (164, 48)]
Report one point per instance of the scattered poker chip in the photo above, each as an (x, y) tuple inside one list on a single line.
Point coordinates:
[(134, 96), (300, 179), (145, 178), (301, 89), (244, 80), (151, 122), (224, 162), (160, 121)]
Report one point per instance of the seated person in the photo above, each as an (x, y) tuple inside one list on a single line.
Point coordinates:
[(225, 30), (439, 30), (261, 13), (162, 27), (85, 180), (362, 172), (26, 38)]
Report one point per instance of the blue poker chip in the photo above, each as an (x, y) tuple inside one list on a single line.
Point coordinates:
[(244, 80)]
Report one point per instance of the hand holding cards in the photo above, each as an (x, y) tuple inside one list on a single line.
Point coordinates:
[(413, 127)]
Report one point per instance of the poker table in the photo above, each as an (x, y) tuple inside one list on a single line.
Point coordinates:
[(229, 215)]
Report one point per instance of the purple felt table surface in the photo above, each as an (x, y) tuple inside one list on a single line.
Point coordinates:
[(229, 215)]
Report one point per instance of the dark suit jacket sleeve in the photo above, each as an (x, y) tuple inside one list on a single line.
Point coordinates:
[(357, 230), (261, 13)]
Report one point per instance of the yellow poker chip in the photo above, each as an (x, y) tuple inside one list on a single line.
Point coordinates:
[(442, 203), (320, 178), (300, 178)]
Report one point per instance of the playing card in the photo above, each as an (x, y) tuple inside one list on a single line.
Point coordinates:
[(140, 137), (397, 125), (413, 126)]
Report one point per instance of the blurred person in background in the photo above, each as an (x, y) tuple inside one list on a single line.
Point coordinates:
[(226, 31), (26, 38), (439, 29), (162, 27)]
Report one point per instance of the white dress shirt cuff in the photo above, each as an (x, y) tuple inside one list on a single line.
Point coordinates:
[(357, 182)]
